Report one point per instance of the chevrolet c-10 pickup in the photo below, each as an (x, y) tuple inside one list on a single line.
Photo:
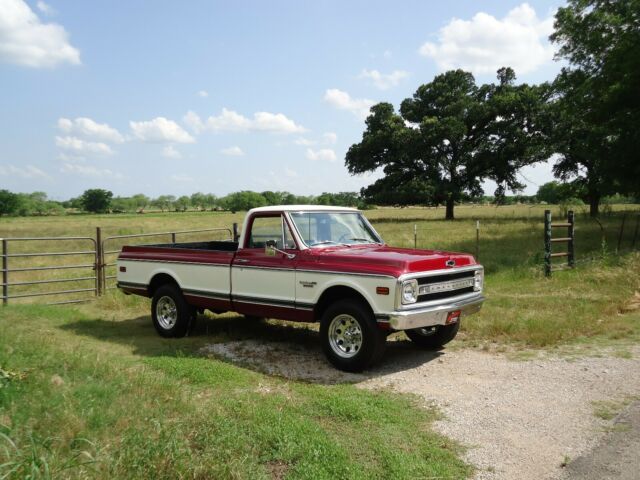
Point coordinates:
[(310, 264)]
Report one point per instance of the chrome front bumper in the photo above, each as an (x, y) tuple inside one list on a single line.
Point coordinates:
[(430, 316)]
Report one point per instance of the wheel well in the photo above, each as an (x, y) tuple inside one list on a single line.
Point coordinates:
[(158, 280), (333, 294)]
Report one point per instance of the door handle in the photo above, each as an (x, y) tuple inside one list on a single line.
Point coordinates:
[(242, 260)]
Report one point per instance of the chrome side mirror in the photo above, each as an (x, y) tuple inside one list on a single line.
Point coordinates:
[(270, 250)]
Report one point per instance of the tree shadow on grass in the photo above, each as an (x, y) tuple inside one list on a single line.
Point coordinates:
[(282, 349)]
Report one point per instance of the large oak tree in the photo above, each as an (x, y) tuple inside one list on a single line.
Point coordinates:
[(597, 109), (449, 137), (96, 200)]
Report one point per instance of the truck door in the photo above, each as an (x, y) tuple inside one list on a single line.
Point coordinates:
[(264, 285)]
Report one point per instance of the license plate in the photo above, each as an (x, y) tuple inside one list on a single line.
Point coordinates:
[(453, 317)]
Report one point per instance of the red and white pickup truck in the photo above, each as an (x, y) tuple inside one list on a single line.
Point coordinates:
[(310, 264)]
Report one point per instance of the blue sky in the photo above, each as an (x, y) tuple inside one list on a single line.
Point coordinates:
[(178, 97)]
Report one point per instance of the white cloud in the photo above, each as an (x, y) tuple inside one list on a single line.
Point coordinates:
[(193, 121), (330, 137), (234, 151), (228, 121), (169, 151), (160, 130), (29, 171), (25, 40), (232, 121), (325, 154), (305, 142), (275, 123), (343, 101), (45, 8), (89, 128), (77, 145), (384, 81), (203, 93), (71, 158), (89, 171), (484, 44)]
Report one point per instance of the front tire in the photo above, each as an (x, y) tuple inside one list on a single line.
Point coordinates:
[(172, 315), (433, 338), (350, 336)]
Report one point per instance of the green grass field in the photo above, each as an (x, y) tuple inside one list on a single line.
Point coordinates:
[(91, 391), (100, 398), (524, 308)]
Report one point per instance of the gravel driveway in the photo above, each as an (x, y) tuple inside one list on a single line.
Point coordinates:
[(519, 419)]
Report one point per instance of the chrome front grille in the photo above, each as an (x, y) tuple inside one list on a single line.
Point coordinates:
[(446, 285)]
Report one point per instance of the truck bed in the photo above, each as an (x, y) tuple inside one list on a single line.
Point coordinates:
[(214, 252), (221, 246)]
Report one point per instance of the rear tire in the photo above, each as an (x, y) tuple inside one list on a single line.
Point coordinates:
[(350, 336), (433, 339), (172, 315)]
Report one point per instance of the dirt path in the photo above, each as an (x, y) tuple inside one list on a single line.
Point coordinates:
[(519, 419)]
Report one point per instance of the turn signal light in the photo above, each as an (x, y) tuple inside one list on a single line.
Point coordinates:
[(382, 290)]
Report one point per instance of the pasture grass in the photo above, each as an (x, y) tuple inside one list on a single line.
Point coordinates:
[(92, 391), (523, 307), (90, 397), (592, 303)]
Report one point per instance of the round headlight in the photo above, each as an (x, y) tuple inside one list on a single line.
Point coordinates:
[(478, 280), (410, 291)]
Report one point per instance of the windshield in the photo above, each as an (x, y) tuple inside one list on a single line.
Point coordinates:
[(335, 228)]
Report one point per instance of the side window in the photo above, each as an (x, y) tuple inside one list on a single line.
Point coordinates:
[(266, 229), (289, 242)]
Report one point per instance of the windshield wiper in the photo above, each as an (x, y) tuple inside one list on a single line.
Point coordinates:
[(329, 242), (368, 240)]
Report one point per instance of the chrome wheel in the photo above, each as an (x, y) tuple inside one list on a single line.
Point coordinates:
[(345, 336), (166, 312)]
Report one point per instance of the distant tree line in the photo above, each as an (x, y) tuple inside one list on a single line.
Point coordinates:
[(23, 204), (453, 133), (97, 200)]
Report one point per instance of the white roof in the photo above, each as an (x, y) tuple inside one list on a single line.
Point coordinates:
[(302, 208)]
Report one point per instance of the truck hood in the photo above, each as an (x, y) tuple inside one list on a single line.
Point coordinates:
[(381, 259)]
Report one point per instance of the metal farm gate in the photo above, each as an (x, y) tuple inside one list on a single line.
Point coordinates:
[(94, 260)]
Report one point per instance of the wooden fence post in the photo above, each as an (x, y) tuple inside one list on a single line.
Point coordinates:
[(547, 243), (415, 236), (5, 273), (99, 266), (571, 258), (235, 232), (477, 239)]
